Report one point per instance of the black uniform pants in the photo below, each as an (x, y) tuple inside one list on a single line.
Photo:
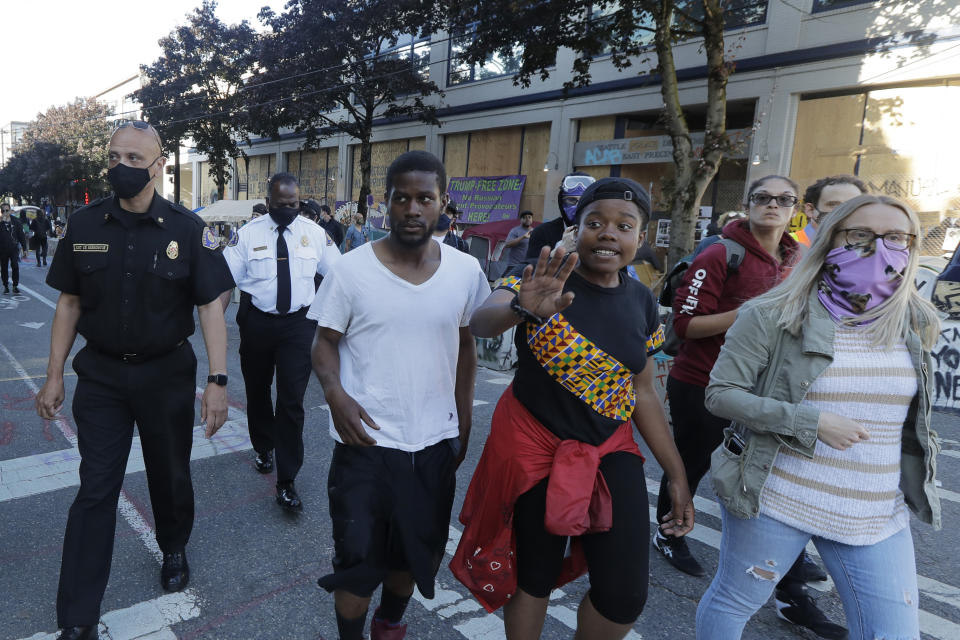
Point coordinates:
[(14, 260), (40, 247), (159, 396), (697, 433), (271, 343)]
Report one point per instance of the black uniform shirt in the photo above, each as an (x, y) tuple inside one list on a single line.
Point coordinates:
[(138, 282)]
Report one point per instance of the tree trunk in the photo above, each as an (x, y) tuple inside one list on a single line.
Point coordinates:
[(692, 172), (365, 161), (176, 173)]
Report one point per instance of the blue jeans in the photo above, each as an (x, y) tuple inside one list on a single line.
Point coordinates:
[(877, 583)]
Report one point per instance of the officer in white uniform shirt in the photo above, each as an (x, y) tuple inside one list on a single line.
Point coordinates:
[(276, 270)]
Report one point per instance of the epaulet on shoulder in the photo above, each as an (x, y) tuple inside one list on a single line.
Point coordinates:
[(96, 203), (183, 210)]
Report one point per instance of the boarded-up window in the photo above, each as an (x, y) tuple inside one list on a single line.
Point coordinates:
[(382, 154), (317, 172), (505, 151)]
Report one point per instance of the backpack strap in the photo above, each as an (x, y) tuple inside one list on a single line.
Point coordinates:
[(735, 252)]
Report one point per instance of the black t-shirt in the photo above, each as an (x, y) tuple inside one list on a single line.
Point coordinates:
[(575, 372), (138, 276)]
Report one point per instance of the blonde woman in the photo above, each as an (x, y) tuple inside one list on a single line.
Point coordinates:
[(826, 379)]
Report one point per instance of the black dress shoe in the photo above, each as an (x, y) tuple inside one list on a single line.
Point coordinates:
[(78, 633), (175, 572), (264, 462), (287, 497)]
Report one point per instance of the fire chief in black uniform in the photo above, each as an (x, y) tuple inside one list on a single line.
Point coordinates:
[(130, 270)]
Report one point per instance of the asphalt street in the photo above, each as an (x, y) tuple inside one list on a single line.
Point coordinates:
[(254, 568)]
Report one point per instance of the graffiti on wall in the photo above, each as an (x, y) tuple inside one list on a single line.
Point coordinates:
[(946, 365)]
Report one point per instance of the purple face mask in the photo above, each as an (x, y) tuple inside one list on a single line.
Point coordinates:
[(857, 279)]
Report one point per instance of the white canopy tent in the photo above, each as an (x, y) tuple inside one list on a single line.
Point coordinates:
[(234, 212)]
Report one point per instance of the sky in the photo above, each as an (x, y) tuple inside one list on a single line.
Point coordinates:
[(56, 50)]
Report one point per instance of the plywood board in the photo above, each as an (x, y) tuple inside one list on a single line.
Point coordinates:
[(241, 179), (536, 149), (455, 153), (495, 152), (827, 137), (261, 168), (601, 128)]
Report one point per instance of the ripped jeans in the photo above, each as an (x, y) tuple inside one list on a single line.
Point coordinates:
[(877, 583)]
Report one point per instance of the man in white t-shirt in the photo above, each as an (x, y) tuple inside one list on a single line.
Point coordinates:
[(397, 364)]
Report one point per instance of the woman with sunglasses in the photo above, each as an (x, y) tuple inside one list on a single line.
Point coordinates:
[(826, 378), (704, 308)]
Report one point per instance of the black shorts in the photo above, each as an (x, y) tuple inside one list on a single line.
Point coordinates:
[(618, 559), (390, 512)]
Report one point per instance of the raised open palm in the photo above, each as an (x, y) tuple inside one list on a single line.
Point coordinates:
[(541, 291)]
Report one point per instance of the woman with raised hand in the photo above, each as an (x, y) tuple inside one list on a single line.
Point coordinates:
[(826, 379), (561, 461)]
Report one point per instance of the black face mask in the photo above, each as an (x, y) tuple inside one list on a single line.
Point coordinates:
[(284, 216), (126, 181)]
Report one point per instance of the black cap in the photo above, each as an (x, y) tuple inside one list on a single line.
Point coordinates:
[(312, 205), (615, 189)]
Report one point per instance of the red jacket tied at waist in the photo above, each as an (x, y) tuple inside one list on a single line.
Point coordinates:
[(518, 454)]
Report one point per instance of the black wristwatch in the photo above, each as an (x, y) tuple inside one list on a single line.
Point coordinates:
[(219, 379)]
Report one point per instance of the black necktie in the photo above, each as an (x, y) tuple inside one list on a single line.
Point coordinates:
[(283, 273)]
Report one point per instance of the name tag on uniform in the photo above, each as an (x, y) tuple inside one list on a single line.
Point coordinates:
[(91, 248), (263, 248)]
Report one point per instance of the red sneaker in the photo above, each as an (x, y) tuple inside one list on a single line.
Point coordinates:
[(383, 630)]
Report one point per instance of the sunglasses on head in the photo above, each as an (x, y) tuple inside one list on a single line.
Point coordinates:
[(142, 125)]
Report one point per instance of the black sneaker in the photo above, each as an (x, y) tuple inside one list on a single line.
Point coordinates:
[(801, 609), (675, 550), (6, 288), (806, 570), (16, 289)]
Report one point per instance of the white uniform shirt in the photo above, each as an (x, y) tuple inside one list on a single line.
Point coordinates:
[(253, 260), (401, 341)]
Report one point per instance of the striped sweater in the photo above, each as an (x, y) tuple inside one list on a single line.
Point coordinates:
[(850, 496)]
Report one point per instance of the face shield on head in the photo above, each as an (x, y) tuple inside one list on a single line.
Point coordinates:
[(571, 189)]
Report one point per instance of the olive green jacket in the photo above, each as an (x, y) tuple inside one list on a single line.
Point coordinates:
[(759, 381)]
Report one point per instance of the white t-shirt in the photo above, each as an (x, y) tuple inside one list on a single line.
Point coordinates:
[(398, 354)]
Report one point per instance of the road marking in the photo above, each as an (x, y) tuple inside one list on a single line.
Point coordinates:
[(500, 380), (153, 617), (31, 325), (42, 375), (43, 299), (44, 472), (950, 453), (945, 494), (150, 619)]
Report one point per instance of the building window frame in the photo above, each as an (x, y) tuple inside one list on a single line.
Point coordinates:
[(821, 6), (452, 61)]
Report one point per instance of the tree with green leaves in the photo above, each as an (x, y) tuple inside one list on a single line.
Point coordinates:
[(65, 144), (337, 66), (194, 88), (162, 94), (624, 29)]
